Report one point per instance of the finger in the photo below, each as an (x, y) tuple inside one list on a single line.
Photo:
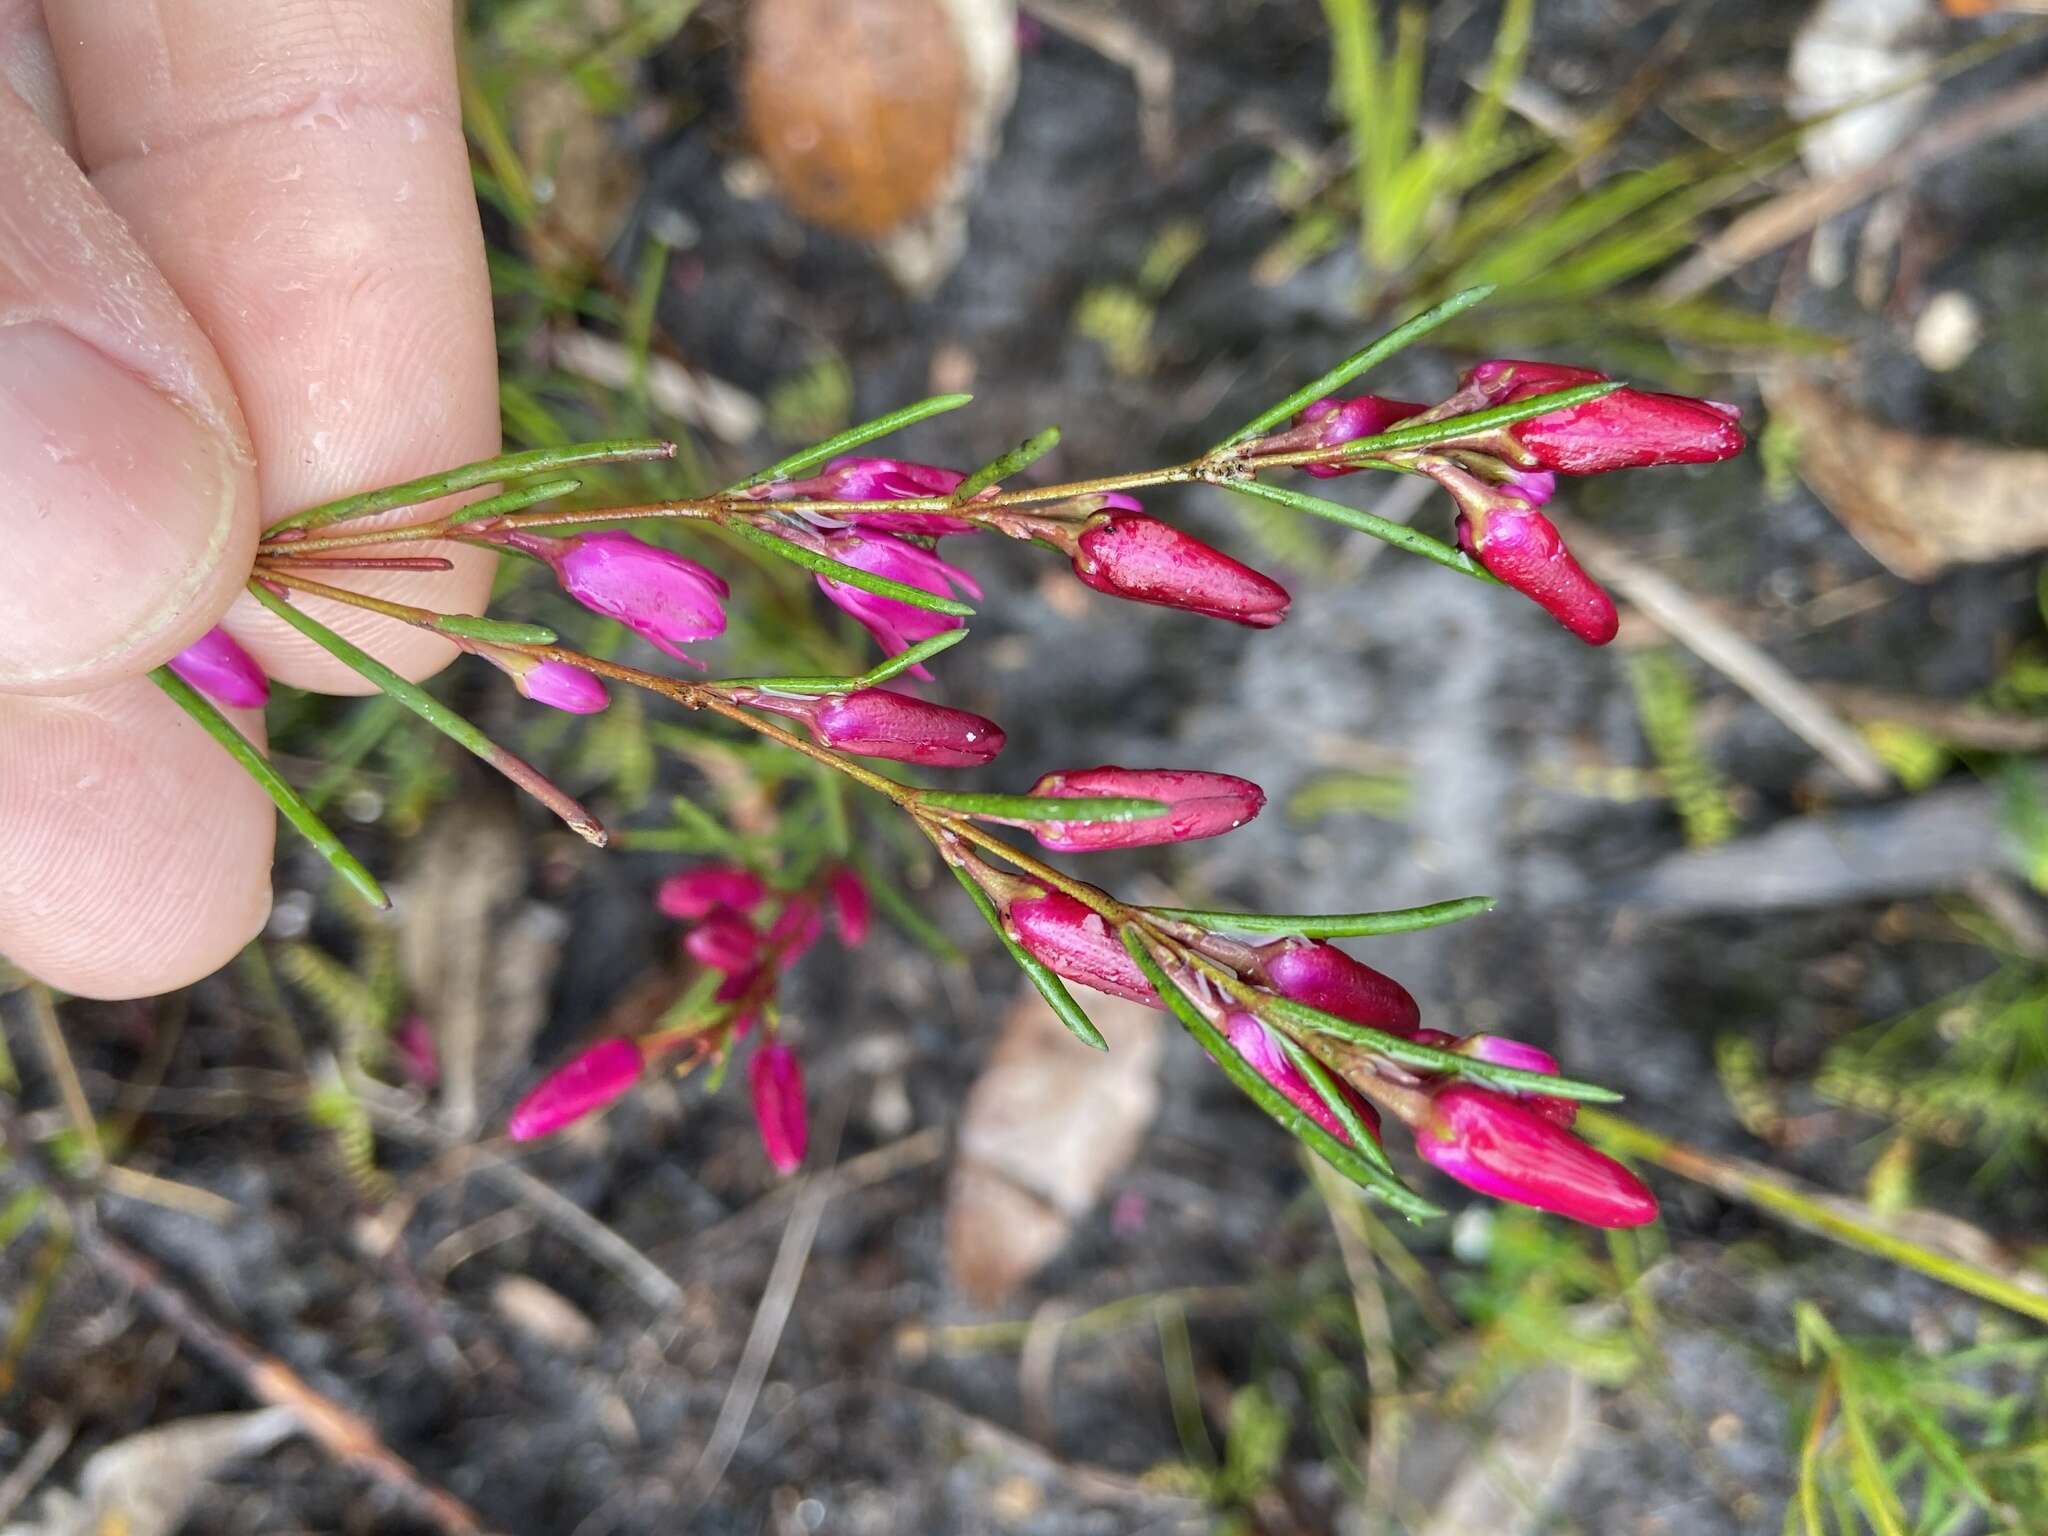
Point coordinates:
[(28, 65), (134, 853), (127, 495), (298, 172)]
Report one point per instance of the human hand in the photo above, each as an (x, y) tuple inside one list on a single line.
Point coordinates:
[(240, 273)]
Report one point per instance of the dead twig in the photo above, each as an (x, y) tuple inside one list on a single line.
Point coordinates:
[(1688, 621), (35, 1465), (1958, 723), (1149, 62), (1376, 1327)]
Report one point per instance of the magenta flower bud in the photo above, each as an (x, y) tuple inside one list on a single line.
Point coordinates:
[(1503, 1148), (1503, 1052), (724, 941), (588, 1082), (852, 478), (699, 892), (656, 593), (1201, 805), (1522, 547), (738, 984), (1629, 429), (879, 722), (796, 930), (554, 683), (1255, 1043), (1324, 977), (418, 1057), (895, 626), (223, 671), (777, 1080), (1130, 555), (1077, 944), (850, 906), (1334, 422)]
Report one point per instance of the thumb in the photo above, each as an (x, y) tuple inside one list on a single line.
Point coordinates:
[(128, 508)]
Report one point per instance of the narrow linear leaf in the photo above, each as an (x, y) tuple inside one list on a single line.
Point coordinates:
[(258, 767), (1428, 1058), (1336, 1101), (852, 437), (1004, 465), (1396, 439), (517, 499), (1385, 529), (1346, 1160), (443, 719), (501, 631), (1336, 925), (506, 466), (1014, 808), (1369, 356), (1050, 987), (840, 571), (901, 662)]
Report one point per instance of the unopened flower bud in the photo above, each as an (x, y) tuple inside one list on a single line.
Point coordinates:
[(879, 722), (1130, 555), (658, 594), (896, 626), (219, 668), (724, 941), (1522, 548), (588, 1082), (853, 478), (777, 1081), (1331, 423), (1199, 805), (1629, 429), (1255, 1043), (1503, 1148), (1503, 1052), (850, 906), (1323, 977), (1075, 942), (554, 683), (418, 1056), (698, 892), (796, 930)]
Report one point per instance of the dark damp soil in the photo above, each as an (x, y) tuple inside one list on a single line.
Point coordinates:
[(1498, 722)]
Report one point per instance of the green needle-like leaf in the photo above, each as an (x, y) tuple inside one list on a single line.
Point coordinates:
[(507, 466), (1083, 808), (1335, 925), (1050, 987), (840, 571), (1348, 1161), (1335, 1100), (430, 709), (258, 767), (1004, 465), (945, 639), (1428, 433), (1428, 1058), (471, 626), (518, 499), (841, 442), (1399, 535), (1370, 356)]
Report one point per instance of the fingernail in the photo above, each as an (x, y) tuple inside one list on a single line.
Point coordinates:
[(117, 511)]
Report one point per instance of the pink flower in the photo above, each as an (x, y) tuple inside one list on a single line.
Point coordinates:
[(852, 478), (1629, 429), (1331, 423), (796, 930), (1503, 1148), (1324, 977), (1522, 548), (1130, 555), (777, 1081), (587, 1082), (896, 626), (879, 722), (724, 941), (1503, 1052), (1255, 1043), (698, 892), (554, 683), (1201, 805), (1076, 943), (656, 593), (223, 671), (849, 906)]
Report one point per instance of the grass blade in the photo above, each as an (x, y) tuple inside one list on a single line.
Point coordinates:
[(443, 719), (1050, 987), (506, 466), (847, 575), (853, 437), (1335, 925), (287, 800)]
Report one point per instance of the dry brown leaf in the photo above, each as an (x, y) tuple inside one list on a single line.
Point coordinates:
[(144, 1485), (1046, 1126), (1919, 504)]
